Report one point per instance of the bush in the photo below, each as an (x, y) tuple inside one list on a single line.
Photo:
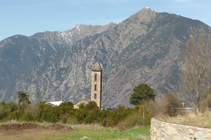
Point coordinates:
[(80, 115), (94, 116), (91, 105), (16, 115), (2, 112), (27, 117), (66, 107), (64, 118), (205, 104), (33, 109), (104, 119), (72, 120), (165, 106), (140, 117), (65, 113), (12, 106)]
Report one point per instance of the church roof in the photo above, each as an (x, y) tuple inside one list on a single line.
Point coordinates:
[(97, 67)]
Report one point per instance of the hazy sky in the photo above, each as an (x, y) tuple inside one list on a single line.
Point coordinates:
[(28, 17)]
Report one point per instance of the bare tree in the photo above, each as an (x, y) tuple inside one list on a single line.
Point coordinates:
[(195, 73)]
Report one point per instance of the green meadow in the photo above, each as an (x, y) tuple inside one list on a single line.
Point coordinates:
[(136, 133)]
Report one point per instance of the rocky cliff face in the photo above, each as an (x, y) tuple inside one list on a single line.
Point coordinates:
[(145, 48), (19, 54)]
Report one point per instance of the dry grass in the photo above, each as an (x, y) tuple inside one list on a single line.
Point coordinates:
[(31, 133), (19, 130), (91, 127), (190, 118), (73, 126), (20, 122)]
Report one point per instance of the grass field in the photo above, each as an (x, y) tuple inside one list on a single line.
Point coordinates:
[(136, 133)]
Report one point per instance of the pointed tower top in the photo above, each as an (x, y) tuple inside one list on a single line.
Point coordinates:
[(97, 67)]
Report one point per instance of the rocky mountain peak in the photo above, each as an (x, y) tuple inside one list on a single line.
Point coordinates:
[(80, 31), (145, 15), (147, 8)]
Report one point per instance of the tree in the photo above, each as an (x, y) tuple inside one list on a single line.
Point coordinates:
[(43, 101), (194, 78), (141, 92), (91, 105), (23, 97)]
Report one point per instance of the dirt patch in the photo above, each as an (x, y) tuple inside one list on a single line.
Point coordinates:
[(17, 126), (33, 130), (20, 126)]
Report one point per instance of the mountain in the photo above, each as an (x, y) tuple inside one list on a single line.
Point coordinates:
[(19, 54), (145, 48)]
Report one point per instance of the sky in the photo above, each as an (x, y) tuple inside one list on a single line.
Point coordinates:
[(27, 17)]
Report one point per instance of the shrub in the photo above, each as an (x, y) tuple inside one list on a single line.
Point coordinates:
[(23, 105), (33, 109), (2, 112), (165, 106), (66, 107), (45, 112), (4, 105), (64, 118), (91, 105), (12, 106), (72, 120), (80, 115), (16, 115), (82, 106), (93, 116), (140, 117), (27, 117), (104, 119), (205, 104)]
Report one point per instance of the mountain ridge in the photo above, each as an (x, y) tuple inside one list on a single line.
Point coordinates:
[(19, 53), (145, 48)]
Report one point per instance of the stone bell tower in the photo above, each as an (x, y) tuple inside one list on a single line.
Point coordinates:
[(96, 84)]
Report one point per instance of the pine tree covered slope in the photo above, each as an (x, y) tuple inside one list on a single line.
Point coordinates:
[(145, 48)]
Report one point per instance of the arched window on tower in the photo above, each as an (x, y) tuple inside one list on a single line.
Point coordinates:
[(95, 88), (95, 79)]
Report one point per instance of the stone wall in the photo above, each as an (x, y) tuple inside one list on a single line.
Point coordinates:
[(168, 131), (76, 106)]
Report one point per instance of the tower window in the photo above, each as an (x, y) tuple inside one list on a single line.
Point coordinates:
[(95, 79), (95, 96), (95, 88)]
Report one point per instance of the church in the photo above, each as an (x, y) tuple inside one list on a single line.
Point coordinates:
[(96, 87)]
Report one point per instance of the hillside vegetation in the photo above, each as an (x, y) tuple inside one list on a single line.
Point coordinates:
[(123, 118)]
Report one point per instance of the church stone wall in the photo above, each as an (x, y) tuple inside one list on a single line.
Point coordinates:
[(76, 106), (167, 131)]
